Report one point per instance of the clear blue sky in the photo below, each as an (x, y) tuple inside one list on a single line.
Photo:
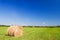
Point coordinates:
[(30, 12)]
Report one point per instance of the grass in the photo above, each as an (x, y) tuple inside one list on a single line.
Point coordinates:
[(33, 34)]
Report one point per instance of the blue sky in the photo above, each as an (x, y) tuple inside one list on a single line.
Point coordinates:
[(30, 12)]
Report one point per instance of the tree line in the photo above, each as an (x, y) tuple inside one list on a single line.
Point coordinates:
[(33, 26)]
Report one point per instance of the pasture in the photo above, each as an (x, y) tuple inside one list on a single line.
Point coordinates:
[(33, 34)]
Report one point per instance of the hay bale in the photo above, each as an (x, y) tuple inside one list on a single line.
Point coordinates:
[(14, 31)]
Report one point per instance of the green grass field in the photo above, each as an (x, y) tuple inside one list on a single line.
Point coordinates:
[(33, 34)]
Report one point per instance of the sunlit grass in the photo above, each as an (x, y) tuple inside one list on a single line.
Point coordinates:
[(33, 34)]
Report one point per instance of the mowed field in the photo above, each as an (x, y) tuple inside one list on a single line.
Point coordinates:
[(33, 34)]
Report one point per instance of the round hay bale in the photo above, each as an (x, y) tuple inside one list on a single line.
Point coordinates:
[(14, 31)]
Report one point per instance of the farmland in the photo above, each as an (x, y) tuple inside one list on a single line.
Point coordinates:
[(33, 34)]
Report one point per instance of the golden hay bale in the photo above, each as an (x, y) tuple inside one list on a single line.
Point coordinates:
[(14, 31)]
